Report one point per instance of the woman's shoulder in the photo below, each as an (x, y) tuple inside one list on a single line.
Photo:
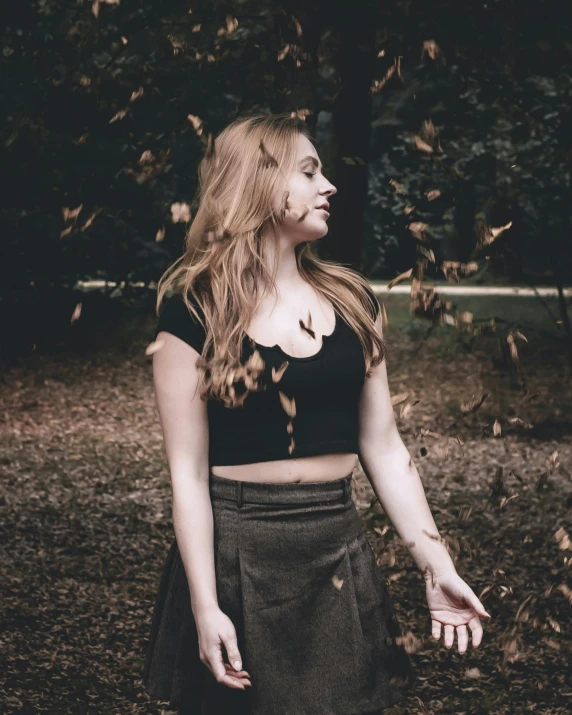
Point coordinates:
[(177, 319)]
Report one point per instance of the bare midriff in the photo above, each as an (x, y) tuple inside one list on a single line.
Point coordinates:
[(320, 468)]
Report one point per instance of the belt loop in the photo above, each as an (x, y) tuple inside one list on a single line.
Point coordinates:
[(239, 486)]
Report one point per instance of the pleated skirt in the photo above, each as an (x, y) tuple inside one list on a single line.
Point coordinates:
[(298, 578)]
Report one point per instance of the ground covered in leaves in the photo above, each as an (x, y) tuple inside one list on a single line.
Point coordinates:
[(85, 527)]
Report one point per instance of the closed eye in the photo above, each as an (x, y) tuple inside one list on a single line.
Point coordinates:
[(307, 173)]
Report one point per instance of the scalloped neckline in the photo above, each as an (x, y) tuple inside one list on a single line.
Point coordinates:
[(277, 349)]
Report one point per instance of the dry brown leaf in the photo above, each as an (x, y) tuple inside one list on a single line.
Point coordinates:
[(474, 404), (406, 275), (431, 49), (399, 189), (563, 539), (399, 398), (197, 123), (417, 228), (405, 411), (338, 582), (76, 313), (490, 233), (119, 115), (180, 212), (154, 347), (291, 446), (277, 373), (422, 145), (427, 252), (288, 405), (135, 95), (497, 428)]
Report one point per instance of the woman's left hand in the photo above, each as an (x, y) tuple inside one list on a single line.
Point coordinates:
[(453, 604)]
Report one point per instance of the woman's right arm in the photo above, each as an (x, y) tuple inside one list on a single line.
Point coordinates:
[(184, 423)]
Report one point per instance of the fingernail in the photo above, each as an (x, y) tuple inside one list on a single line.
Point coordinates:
[(237, 664)]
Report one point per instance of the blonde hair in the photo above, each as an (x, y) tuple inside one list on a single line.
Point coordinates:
[(223, 266)]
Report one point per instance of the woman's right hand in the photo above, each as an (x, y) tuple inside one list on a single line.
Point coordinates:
[(215, 629)]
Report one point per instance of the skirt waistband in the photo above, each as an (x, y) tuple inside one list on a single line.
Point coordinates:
[(279, 493)]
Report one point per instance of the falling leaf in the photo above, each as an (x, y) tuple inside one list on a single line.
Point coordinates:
[(297, 26), (154, 347), (422, 145), (399, 398), (431, 49), (563, 539), (307, 328), (197, 123), (180, 212), (427, 252), (303, 112), (119, 115), (135, 95), (283, 52), (405, 411), (497, 428), (76, 313), (417, 229), (70, 214), (277, 374), (399, 189), (433, 194), (378, 84), (146, 157), (338, 582), (160, 235), (400, 278), (489, 233), (288, 405), (473, 405)]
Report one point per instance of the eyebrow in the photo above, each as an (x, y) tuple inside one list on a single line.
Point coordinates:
[(312, 159)]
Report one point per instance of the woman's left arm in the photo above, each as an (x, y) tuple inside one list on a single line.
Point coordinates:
[(393, 476)]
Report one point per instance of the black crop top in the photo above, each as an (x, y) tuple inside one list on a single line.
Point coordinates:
[(326, 388)]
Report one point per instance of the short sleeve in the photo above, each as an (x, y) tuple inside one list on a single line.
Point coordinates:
[(175, 318)]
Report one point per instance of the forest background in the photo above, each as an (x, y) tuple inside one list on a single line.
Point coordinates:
[(446, 128)]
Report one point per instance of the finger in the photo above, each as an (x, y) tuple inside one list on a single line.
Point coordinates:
[(231, 682), (231, 646), (436, 629), (476, 631), (449, 636), (241, 675), (462, 638)]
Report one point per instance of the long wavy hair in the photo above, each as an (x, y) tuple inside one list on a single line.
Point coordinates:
[(223, 268)]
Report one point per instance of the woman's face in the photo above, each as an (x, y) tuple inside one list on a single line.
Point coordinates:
[(307, 187)]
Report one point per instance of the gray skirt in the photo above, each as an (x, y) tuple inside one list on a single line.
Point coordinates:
[(298, 578)]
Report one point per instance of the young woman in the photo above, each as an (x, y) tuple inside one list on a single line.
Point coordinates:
[(271, 382)]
